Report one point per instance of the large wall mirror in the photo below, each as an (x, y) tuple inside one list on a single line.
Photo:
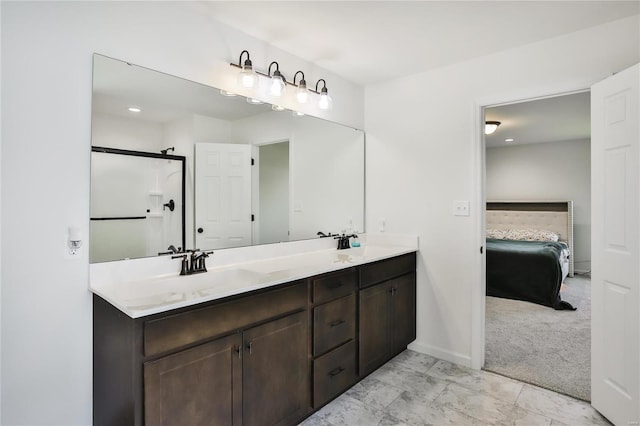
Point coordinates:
[(178, 165)]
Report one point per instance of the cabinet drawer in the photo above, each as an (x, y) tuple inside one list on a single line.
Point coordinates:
[(333, 373), (334, 285), (334, 323), (176, 331), (383, 270)]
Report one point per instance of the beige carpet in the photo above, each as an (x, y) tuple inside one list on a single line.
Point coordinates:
[(542, 346)]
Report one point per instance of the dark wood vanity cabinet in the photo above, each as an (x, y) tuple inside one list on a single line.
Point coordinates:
[(387, 310), (242, 361), (334, 334), (265, 358)]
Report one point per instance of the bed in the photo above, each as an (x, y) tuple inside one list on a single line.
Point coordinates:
[(523, 261)]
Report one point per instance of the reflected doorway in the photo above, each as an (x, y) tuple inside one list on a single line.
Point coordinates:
[(271, 201)]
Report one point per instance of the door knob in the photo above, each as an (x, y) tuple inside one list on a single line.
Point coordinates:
[(200, 230)]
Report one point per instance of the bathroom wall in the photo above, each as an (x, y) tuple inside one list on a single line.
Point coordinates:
[(421, 156), (547, 171), (46, 80)]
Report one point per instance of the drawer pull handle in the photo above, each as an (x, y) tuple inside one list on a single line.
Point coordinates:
[(336, 323), (250, 348), (335, 371)]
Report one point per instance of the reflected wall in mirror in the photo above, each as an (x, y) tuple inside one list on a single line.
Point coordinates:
[(252, 175)]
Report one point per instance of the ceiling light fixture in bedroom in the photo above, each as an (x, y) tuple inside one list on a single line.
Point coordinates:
[(490, 127)]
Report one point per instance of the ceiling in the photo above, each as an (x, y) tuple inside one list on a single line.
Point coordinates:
[(555, 119), (372, 41)]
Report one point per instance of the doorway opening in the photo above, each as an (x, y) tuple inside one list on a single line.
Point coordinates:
[(540, 153), (271, 176)]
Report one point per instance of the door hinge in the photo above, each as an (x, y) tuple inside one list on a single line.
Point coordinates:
[(480, 249), (253, 162), (253, 218)]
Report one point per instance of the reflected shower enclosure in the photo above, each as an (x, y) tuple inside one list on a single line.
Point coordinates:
[(137, 204)]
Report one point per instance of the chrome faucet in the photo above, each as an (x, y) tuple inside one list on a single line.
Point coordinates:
[(194, 262)]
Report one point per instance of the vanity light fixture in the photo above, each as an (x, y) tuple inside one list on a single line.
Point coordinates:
[(325, 101), (302, 94), (134, 109), (254, 101), (247, 77), (277, 107), (278, 83), (490, 127), (227, 93), (297, 114)]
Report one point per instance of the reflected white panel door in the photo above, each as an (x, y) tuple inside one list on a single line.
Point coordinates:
[(223, 195), (615, 217)]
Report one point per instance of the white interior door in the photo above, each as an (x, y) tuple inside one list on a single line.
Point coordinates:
[(615, 212), (223, 195)]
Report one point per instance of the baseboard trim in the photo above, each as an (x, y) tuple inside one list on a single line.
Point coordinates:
[(444, 354)]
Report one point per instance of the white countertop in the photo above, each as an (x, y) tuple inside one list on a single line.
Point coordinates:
[(150, 295)]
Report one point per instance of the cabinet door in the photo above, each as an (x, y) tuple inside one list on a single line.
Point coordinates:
[(198, 386), (402, 324), (374, 314), (276, 372)]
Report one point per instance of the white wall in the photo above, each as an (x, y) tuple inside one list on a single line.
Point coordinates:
[(46, 80), (547, 171), (421, 156), (273, 209)]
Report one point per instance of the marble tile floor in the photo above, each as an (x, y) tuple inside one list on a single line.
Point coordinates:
[(416, 389)]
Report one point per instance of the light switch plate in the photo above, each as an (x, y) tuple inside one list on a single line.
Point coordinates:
[(461, 208)]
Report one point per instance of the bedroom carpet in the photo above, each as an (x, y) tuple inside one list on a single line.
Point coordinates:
[(542, 346)]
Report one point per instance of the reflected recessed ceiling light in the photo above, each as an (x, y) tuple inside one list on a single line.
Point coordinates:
[(509, 140), (490, 127), (254, 101), (227, 93), (277, 108), (134, 109), (297, 114)]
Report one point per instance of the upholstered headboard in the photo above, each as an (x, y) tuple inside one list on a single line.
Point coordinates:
[(555, 216)]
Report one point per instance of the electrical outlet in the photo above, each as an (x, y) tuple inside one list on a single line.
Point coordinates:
[(461, 208)]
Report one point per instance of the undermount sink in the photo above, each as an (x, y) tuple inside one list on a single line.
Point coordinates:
[(176, 288)]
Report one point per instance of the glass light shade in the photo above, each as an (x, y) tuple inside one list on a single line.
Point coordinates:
[(227, 93), (325, 101), (490, 127), (247, 78), (277, 107), (302, 94), (277, 86)]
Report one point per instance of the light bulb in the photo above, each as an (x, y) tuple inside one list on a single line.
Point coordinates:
[(248, 78), (277, 86), (302, 95), (325, 101), (490, 127)]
